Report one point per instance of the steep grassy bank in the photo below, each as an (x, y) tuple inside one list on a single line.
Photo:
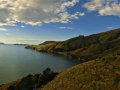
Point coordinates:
[(99, 74)]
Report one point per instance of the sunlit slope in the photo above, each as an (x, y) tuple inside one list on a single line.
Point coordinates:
[(99, 74), (84, 47)]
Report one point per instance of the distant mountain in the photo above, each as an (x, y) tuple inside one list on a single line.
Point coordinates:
[(1, 43), (84, 47), (47, 42), (21, 44)]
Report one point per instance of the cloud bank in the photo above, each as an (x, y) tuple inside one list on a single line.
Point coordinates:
[(104, 7), (66, 28), (3, 30), (35, 12)]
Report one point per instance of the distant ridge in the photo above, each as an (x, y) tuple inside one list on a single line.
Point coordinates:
[(84, 47), (47, 42)]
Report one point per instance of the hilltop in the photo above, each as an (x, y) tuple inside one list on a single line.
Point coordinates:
[(84, 47)]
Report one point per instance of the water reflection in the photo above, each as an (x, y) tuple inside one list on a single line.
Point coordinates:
[(16, 62)]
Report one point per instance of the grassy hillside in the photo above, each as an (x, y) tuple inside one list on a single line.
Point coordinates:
[(99, 74), (84, 47)]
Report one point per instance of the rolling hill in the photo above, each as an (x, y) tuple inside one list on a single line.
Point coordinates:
[(84, 47)]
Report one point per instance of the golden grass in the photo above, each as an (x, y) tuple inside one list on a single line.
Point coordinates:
[(99, 74), (5, 86)]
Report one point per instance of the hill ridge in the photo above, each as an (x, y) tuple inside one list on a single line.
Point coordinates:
[(84, 47)]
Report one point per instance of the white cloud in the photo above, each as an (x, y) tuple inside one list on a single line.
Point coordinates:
[(69, 28), (104, 7), (35, 12), (3, 29), (22, 26), (109, 27)]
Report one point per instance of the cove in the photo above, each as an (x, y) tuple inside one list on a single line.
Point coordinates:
[(17, 62)]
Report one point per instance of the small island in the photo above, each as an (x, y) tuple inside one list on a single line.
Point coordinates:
[(20, 44)]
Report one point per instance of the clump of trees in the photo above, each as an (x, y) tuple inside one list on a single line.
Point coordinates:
[(33, 82)]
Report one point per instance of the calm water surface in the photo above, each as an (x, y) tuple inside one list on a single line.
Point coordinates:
[(16, 62)]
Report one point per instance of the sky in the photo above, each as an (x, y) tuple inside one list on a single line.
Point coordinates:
[(36, 21)]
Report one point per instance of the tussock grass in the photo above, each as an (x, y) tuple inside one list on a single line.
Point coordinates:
[(99, 74)]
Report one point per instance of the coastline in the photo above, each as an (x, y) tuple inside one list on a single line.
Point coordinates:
[(83, 48)]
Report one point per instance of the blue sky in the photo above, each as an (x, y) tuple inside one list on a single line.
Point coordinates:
[(37, 21)]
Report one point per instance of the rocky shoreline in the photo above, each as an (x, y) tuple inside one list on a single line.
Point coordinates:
[(31, 82), (66, 54)]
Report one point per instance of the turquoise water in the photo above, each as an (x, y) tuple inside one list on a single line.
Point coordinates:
[(17, 62)]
